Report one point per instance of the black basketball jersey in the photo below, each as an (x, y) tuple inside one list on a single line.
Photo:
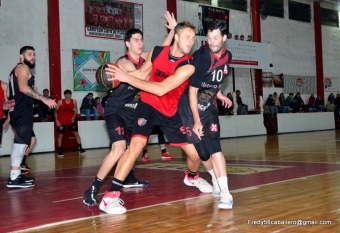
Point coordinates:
[(125, 95), (20, 103), (210, 72)]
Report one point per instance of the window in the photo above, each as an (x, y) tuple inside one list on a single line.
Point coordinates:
[(206, 2), (272, 8), (329, 17), (240, 5), (299, 11)]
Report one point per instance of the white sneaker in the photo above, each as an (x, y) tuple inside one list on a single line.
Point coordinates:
[(198, 182), (112, 204), (226, 202), (216, 188)]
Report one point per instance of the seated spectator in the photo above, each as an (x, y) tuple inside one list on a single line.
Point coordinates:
[(236, 37), (284, 106), (270, 102), (242, 109), (230, 36), (319, 104), (249, 38), (330, 107), (337, 106), (242, 37), (100, 108), (311, 103), (300, 103), (331, 96), (88, 107), (292, 103), (42, 109), (281, 109), (229, 111)]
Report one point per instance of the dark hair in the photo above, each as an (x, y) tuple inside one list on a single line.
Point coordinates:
[(182, 25), (131, 32), (25, 48), (46, 90), (218, 25), (67, 92), (90, 93)]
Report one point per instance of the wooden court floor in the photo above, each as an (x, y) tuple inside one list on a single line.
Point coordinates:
[(280, 183)]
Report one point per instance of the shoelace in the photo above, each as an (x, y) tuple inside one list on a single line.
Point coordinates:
[(114, 202)]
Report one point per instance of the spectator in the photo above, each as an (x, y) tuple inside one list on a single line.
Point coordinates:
[(283, 103), (41, 109), (311, 103), (280, 108), (300, 103), (330, 106), (242, 37), (270, 102), (230, 110), (230, 36), (292, 103), (331, 96), (88, 107), (65, 114), (100, 108), (221, 109), (242, 109), (236, 37), (250, 38), (319, 104), (337, 106)]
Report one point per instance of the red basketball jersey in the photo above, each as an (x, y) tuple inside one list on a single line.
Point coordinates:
[(66, 112)]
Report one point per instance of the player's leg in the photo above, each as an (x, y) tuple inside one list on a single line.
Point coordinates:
[(22, 127), (74, 129), (24, 167), (161, 142), (60, 131)]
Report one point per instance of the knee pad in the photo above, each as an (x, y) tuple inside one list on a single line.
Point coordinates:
[(202, 151), (18, 152)]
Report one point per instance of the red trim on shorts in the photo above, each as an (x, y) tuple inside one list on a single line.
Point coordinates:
[(179, 144), (139, 136)]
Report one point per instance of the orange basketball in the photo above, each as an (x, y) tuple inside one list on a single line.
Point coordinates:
[(102, 77)]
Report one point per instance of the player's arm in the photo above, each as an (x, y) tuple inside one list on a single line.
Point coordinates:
[(75, 110), (22, 72), (5, 87), (226, 102), (56, 113), (193, 102)]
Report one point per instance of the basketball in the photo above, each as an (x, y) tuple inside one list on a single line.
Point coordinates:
[(101, 77)]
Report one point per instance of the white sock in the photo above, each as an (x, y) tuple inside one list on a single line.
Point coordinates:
[(211, 172), (223, 183), (14, 174)]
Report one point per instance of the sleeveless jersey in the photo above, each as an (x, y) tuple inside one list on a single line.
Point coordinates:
[(163, 67), (210, 72), (20, 103), (66, 112), (1, 101), (125, 95)]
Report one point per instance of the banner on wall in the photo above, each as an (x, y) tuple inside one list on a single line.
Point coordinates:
[(245, 54), (302, 84), (332, 84), (112, 18), (212, 14), (272, 80), (85, 64)]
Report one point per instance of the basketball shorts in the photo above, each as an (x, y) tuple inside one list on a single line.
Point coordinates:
[(146, 117), (73, 127), (119, 125), (23, 129), (2, 121)]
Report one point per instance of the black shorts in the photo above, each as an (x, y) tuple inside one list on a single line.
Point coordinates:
[(73, 127), (23, 129), (146, 117), (2, 121), (119, 125)]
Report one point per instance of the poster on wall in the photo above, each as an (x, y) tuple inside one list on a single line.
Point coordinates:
[(302, 84), (110, 19), (332, 84), (85, 64), (212, 14), (272, 80)]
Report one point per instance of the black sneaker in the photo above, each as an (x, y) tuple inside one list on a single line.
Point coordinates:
[(82, 151), (90, 196), (60, 153), (135, 183), (19, 182), (27, 179), (25, 168)]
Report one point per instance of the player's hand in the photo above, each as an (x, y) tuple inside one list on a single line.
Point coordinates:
[(49, 102), (6, 106), (171, 20), (198, 130), (6, 125), (57, 123), (226, 102), (117, 73), (72, 120)]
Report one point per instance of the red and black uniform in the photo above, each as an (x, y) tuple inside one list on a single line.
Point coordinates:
[(65, 114), (162, 111), (210, 71), (21, 110), (120, 107)]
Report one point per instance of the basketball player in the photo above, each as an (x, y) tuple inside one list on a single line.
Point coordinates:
[(120, 109), (171, 67), (211, 68), (21, 97), (65, 114), (4, 116)]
